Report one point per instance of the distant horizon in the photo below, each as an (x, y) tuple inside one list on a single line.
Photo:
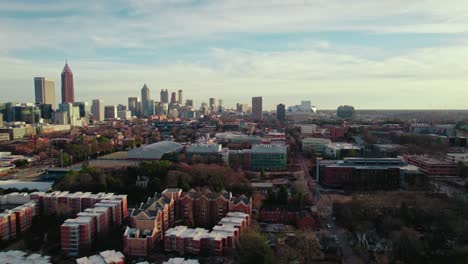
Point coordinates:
[(369, 54)]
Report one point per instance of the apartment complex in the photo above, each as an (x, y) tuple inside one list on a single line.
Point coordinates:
[(95, 215), (225, 234), (158, 214), (105, 257), (19, 219)]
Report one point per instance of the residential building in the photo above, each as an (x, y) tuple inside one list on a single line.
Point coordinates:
[(193, 241), (153, 219), (105, 257), (68, 88), (44, 91), (257, 108)]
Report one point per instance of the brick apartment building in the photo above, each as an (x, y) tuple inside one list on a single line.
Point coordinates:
[(184, 240), (95, 215), (152, 219), (17, 220)]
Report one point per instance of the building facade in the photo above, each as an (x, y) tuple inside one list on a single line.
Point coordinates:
[(44, 91), (97, 109), (68, 88), (257, 108)]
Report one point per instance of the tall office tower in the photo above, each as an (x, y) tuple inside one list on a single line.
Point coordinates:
[(151, 107), (145, 97), (97, 109), (179, 97), (257, 108), (281, 112), (68, 89), (220, 105), (45, 91), (212, 104), (241, 108), (173, 98), (133, 105), (189, 102), (110, 112), (84, 110), (164, 96), (121, 107)]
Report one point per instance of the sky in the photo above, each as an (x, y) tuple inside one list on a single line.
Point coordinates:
[(372, 54)]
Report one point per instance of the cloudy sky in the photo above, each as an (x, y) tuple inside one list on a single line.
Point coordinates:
[(373, 54)]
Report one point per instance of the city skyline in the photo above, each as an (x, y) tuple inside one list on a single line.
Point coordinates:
[(395, 55)]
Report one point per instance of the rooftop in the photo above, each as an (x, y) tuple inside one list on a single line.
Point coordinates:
[(155, 150)]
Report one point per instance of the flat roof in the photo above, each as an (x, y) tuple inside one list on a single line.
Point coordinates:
[(40, 186)]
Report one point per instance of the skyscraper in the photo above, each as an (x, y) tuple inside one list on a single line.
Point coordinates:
[(281, 112), (189, 102), (133, 105), (212, 104), (220, 105), (68, 89), (179, 97), (173, 98), (97, 109), (110, 112), (45, 91), (257, 108), (145, 97), (164, 96)]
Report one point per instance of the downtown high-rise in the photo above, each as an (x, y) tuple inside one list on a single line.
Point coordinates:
[(145, 98), (44, 91), (164, 96), (68, 89), (257, 108)]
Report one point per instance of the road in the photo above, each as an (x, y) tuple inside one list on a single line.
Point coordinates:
[(340, 236), (313, 186)]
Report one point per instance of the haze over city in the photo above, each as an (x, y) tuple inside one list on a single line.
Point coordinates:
[(371, 54)]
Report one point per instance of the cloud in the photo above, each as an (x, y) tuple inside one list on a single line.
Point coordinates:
[(116, 46)]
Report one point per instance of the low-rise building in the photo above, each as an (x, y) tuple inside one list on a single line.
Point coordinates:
[(432, 166), (268, 157), (105, 257), (315, 145), (193, 241), (205, 152), (340, 150)]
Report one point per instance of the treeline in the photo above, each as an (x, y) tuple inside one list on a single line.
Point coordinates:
[(421, 228), (161, 175)]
